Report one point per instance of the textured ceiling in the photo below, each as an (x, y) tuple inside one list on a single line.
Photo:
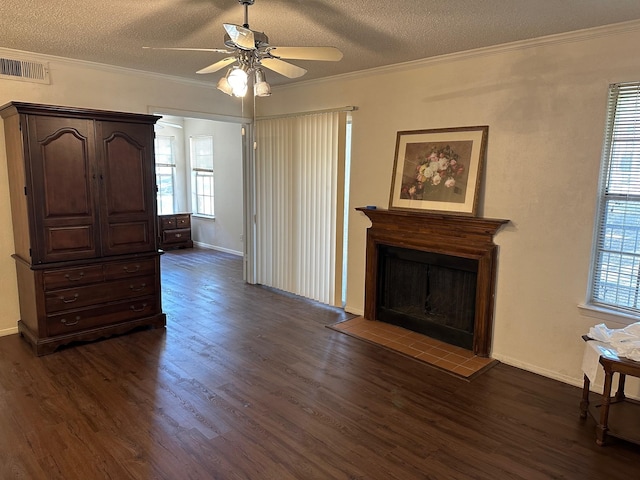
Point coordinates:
[(370, 33)]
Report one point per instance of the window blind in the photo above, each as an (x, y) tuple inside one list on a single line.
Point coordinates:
[(202, 176), (616, 268), (299, 204), (202, 153)]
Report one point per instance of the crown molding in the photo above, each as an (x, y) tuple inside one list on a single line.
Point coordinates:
[(556, 39), (43, 57)]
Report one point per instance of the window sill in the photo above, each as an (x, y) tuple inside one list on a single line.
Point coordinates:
[(607, 315), (204, 217)]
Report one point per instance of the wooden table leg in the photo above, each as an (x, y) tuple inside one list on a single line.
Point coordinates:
[(584, 404), (620, 392), (603, 426)]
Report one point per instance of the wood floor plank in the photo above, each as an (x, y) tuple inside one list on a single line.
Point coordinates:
[(247, 383)]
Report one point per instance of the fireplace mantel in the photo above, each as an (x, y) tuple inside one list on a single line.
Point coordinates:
[(455, 235)]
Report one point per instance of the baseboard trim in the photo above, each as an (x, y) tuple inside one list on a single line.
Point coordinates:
[(9, 331), (220, 249)]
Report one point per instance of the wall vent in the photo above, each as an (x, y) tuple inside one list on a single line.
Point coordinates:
[(25, 70)]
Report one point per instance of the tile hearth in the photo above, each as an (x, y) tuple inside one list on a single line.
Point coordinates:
[(451, 358)]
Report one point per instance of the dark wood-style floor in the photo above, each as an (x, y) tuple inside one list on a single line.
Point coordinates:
[(247, 383)]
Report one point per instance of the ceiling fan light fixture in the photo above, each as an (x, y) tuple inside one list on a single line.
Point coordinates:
[(260, 86), (252, 52), (223, 85), (238, 79)]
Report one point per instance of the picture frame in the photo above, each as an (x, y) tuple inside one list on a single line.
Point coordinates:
[(439, 170)]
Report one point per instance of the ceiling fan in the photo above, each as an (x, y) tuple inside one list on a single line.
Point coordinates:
[(250, 50)]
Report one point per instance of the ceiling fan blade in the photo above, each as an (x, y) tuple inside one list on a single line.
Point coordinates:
[(218, 65), (242, 37), (187, 49), (327, 54), (283, 68)]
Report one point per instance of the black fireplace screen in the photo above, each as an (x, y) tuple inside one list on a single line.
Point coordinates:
[(428, 293)]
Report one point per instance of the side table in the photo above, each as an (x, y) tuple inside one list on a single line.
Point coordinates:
[(616, 416)]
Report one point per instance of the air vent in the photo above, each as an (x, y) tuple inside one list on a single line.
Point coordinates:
[(25, 70)]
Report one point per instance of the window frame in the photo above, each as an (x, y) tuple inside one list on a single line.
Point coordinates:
[(171, 164), (199, 175), (611, 282)]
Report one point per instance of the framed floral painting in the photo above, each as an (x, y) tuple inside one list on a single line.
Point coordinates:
[(439, 170)]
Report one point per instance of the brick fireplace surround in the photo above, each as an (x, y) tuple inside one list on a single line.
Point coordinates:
[(454, 235)]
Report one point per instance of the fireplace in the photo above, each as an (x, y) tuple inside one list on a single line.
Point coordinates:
[(428, 293), (433, 274)]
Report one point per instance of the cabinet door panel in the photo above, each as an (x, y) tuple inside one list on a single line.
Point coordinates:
[(62, 184), (128, 235), (128, 209)]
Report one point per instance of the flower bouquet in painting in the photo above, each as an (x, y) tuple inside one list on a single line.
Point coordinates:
[(433, 173)]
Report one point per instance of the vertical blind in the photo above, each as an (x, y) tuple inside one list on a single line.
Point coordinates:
[(299, 204), (616, 269)]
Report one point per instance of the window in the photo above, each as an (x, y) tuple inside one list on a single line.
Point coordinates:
[(165, 173), (202, 175), (615, 279)]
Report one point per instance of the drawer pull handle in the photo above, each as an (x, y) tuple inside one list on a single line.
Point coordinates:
[(64, 321), (136, 269), (74, 279), (69, 300), (178, 235), (142, 287), (133, 307)]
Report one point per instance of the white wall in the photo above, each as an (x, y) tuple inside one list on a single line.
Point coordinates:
[(545, 105), (85, 85), (225, 232)]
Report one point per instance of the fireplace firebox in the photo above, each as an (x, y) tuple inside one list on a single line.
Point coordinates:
[(434, 274), (428, 293)]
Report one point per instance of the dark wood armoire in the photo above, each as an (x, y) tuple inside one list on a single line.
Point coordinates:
[(83, 204)]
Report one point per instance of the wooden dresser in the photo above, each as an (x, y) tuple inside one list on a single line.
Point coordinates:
[(175, 231), (82, 188)]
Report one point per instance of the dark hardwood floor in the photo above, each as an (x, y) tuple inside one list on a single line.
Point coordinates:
[(247, 383)]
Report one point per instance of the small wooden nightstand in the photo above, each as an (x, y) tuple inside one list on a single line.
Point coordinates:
[(175, 231), (616, 416)]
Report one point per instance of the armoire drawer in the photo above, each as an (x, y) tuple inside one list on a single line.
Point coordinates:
[(134, 268), (70, 277), (71, 298), (83, 319)]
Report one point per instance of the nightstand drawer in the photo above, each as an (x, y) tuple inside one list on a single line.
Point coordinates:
[(176, 236), (167, 223), (183, 221)]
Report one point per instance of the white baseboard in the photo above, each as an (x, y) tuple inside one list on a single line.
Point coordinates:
[(354, 311), (577, 382), (8, 331), (220, 249)]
